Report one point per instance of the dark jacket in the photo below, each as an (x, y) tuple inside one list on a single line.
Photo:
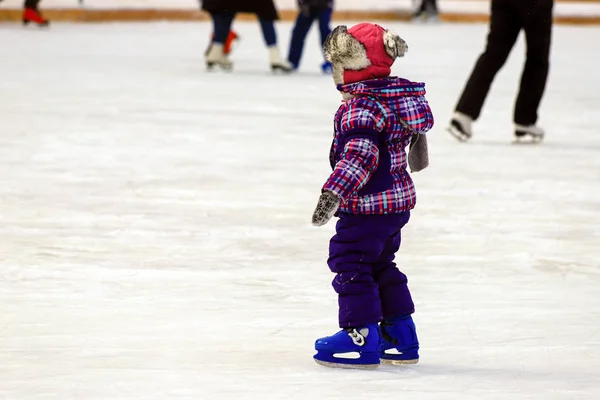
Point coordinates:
[(316, 5), (264, 9)]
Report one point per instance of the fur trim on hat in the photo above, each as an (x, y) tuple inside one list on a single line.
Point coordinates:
[(347, 51), (343, 51), (342, 48), (395, 46)]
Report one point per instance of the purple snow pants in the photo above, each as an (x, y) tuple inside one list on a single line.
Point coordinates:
[(361, 254)]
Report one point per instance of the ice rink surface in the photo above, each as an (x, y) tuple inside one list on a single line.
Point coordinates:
[(155, 237)]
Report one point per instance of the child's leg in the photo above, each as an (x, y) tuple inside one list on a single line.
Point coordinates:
[(399, 336), (393, 289), (301, 28), (356, 246)]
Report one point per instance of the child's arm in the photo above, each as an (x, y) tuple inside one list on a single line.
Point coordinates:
[(361, 123), (359, 159), (351, 172)]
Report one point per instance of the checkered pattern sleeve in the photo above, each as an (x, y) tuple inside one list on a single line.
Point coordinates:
[(418, 114), (362, 118), (358, 161)]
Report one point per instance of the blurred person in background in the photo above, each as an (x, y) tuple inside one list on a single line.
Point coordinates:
[(508, 18), (310, 10), (426, 11), (223, 13), (32, 14)]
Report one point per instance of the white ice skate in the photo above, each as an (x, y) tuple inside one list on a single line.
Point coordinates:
[(277, 62), (217, 57)]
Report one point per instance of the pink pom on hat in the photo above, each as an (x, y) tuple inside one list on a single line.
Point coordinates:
[(365, 51)]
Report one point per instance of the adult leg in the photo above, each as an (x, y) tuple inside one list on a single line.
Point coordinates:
[(431, 7), (325, 24), (222, 26), (33, 4), (216, 54), (301, 28), (421, 9), (325, 30), (538, 32), (505, 25), (277, 62), (268, 30)]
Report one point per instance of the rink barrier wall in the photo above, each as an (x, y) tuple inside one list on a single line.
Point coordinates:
[(144, 15)]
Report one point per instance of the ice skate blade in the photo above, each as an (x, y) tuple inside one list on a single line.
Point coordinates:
[(346, 366), (530, 139), (213, 67), (26, 24), (281, 69), (457, 134), (399, 362)]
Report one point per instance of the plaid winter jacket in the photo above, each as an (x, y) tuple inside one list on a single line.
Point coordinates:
[(368, 154)]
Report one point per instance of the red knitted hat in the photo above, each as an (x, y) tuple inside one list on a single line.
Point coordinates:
[(365, 51)]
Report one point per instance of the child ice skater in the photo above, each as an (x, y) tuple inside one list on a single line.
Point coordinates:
[(310, 10), (372, 193)]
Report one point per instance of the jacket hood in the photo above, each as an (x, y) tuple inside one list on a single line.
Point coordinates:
[(395, 93), (385, 88)]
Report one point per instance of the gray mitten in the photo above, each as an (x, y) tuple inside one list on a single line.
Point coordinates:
[(326, 207)]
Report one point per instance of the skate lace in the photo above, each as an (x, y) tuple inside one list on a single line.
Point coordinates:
[(356, 337)]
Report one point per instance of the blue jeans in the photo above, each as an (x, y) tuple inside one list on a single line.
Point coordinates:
[(301, 28), (222, 25)]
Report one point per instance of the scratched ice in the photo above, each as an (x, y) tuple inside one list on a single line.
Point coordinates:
[(155, 238)]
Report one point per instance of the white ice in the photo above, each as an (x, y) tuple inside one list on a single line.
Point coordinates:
[(155, 237), (588, 8)]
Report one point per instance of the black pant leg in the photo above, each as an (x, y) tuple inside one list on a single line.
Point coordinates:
[(538, 33), (222, 25), (432, 6), (31, 4), (505, 25)]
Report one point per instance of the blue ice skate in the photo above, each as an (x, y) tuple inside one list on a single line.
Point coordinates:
[(327, 68), (399, 343), (350, 348)]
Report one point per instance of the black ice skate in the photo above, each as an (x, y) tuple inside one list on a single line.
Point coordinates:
[(460, 126)]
